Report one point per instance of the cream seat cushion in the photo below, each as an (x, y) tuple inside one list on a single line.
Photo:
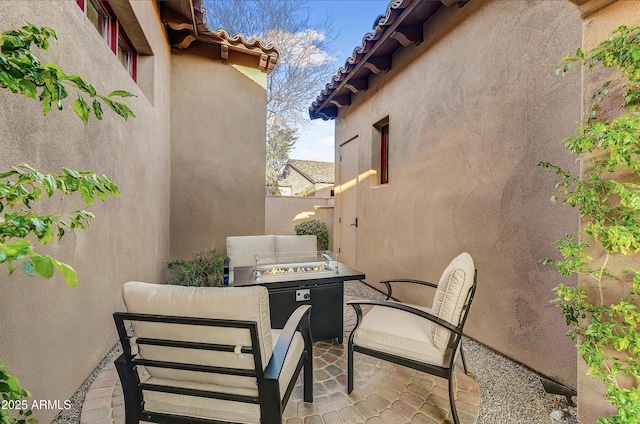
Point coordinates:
[(401, 333), (407, 335), (215, 408)]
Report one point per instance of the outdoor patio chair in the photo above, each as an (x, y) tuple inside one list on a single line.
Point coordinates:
[(425, 339), (209, 355)]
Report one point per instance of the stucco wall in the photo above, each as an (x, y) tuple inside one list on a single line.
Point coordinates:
[(217, 153), (283, 213), (51, 335), (472, 111)]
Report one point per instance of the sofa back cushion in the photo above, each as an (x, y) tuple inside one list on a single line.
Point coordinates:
[(300, 248), (451, 295), (241, 250), (228, 303)]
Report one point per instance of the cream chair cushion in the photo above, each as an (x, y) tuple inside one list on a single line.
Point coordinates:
[(232, 303), (241, 250), (296, 244), (238, 303), (400, 333), (451, 295), (220, 409)]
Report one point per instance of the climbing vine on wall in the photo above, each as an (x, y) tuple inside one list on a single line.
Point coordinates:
[(608, 197)]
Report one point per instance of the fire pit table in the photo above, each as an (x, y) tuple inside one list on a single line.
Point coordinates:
[(315, 279)]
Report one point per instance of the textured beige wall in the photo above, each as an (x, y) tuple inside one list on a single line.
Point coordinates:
[(472, 110), (283, 213), (598, 23), (218, 118), (52, 335)]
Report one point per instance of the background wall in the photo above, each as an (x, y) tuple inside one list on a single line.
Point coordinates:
[(217, 152), (472, 111), (53, 335), (283, 213)]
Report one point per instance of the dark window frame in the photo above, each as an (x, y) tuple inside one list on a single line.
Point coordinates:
[(384, 154), (115, 36)]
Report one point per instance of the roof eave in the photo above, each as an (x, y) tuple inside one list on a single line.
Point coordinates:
[(186, 22), (400, 27)]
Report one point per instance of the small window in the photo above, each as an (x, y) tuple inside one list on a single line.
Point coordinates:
[(106, 23), (99, 18), (384, 154), (380, 153), (127, 55)]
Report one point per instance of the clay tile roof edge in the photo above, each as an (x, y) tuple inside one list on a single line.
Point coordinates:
[(320, 107)]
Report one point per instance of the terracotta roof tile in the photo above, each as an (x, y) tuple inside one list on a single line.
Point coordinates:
[(316, 172), (400, 26), (187, 24)]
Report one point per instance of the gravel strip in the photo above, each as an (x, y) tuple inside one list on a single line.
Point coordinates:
[(511, 393), (72, 415)]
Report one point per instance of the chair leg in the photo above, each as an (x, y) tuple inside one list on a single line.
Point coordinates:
[(464, 363), (308, 377), (130, 388), (350, 366), (452, 402)]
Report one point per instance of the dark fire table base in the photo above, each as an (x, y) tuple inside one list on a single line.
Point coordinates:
[(287, 292)]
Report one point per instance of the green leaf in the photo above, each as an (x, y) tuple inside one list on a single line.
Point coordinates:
[(28, 268), (39, 224), (69, 274), (28, 88), (55, 70), (97, 109), (43, 265), (47, 236), (82, 84), (126, 112), (82, 109), (17, 249), (71, 172), (49, 184), (121, 93), (13, 384)]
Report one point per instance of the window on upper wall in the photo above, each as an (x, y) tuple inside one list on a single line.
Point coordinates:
[(380, 153), (106, 23), (384, 154)]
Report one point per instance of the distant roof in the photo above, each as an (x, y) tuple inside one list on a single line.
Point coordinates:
[(400, 26), (187, 23), (316, 172)]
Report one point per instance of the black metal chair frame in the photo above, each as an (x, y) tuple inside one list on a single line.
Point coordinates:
[(271, 406), (443, 372)]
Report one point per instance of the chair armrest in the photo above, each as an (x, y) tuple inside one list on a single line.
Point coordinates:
[(405, 280), (274, 368), (401, 306), (225, 272)]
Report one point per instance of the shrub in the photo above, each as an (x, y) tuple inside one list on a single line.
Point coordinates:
[(316, 228), (13, 398), (204, 269)]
